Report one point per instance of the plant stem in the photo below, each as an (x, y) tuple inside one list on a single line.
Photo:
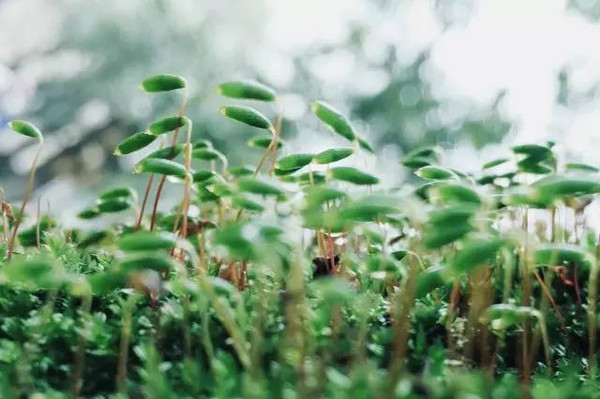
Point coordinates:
[(124, 344), (592, 319), (79, 363), (163, 179), (11, 242)]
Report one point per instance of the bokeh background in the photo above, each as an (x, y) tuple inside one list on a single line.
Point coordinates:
[(474, 77)]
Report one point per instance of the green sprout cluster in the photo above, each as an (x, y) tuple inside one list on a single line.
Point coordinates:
[(302, 276)]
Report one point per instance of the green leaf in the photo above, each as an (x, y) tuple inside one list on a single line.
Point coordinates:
[(554, 187), (242, 202), (364, 144), (238, 171), (451, 216), (435, 173), (368, 209), (89, 213), (333, 155), (399, 254), (581, 167), (334, 119), (147, 241), (147, 261), (284, 172), (353, 175), (162, 167), (35, 274), (317, 195), (294, 161), (246, 115), (201, 143), (160, 83), (457, 193), (26, 129), (114, 205), (494, 163), (256, 186), (169, 152), (201, 175), (438, 237), (433, 277), (207, 154), (247, 89), (555, 254), (166, 125), (29, 237), (264, 142), (421, 157), (118, 192), (536, 151), (133, 143), (475, 253), (306, 178)]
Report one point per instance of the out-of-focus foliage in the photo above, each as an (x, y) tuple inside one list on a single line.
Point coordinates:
[(95, 49)]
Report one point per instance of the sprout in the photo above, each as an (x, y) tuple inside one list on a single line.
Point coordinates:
[(167, 125), (294, 162), (133, 143), (333, 155), (160, 83), (334, 119), (246, 115), (256, 186), (26, 129), (353, 175), (162, 167), (247, 89)]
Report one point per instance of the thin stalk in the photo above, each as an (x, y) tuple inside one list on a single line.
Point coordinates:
[(163, 179), (79, 362), (37, 225), (4, 210), (11, 242), (124, 344), (592, 319), (138, 223), (272, 145), (188, 180), (403, 302), (526, 301)]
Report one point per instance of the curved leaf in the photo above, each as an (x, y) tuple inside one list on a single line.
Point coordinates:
[(294, 161), (333, 155), (133, 143), (353, 175), (476, 252), (264, 142), (334, 119), (162, 167), (246, 115), (247, 89), (435, 173), (166, 125), (147, 241), (256, 186), (160, 83), (26, 129)]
